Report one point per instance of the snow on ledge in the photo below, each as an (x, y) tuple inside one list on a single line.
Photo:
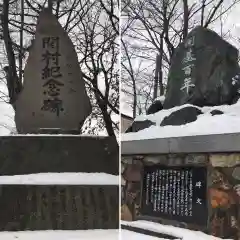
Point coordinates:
[(184, 234), (61, 179), (61, 235), (130, 235), (76, 235), (56, 135), (206, 124)]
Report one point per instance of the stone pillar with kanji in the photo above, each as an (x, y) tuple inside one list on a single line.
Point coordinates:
[(54, 94)]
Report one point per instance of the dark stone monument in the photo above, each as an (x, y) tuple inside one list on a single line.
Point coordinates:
[(204, 71)]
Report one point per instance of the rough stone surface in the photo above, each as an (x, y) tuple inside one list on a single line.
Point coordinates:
[(236, 175), (182, 116), (223, 183), (225, 160), (25, 207), (155, 107), (132, 173), (139, 125), (34, 154), (54, 94), (204, 71)]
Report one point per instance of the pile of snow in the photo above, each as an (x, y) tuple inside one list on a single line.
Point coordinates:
[(62, 235), (61, 179), (206, 124), (180, 233)]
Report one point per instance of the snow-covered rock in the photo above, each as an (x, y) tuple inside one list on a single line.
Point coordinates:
[(206, 123)]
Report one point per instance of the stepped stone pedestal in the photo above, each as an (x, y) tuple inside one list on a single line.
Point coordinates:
[(58, 207)]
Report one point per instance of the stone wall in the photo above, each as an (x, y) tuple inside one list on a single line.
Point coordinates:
[(223, 189), (49, 153), (25, 207)]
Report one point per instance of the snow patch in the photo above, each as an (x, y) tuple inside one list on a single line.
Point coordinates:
[(181, 233), (160, 98), (129, 235), (62, 235), (61, 179), (206, 124)]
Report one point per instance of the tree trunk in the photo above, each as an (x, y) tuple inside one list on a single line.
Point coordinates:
[(156, 80), (21, 42), (106, 116), (185, 17), (13, 83), (50, 5), (160, 77)]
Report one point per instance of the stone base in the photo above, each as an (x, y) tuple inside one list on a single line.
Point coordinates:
[(26, 154), (25, 207), (222, 199)]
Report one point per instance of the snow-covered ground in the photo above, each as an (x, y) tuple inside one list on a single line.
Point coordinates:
[(62, 235), (180, 233), (113, 234), (97, 234), (204, 125), (61, 179), (76, 235), (129, 235)]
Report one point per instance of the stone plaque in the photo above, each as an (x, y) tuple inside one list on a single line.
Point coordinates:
[(54, 94), (175, 193)]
